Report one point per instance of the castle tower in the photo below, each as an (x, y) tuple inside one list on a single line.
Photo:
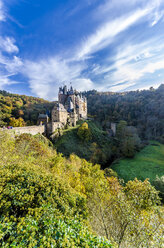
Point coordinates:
[(65, 90), (62, 95)]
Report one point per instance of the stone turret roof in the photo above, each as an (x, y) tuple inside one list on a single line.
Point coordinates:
[(41, 116)]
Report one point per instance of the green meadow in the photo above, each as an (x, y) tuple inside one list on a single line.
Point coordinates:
[(148, 163)]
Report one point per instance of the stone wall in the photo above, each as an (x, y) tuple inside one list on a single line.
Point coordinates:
[(113, 128), (29, 129), (47, 129), (52, 126)]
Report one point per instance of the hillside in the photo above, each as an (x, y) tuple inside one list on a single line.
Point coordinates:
[(26, 107), (39, 207), (97, 148), (148, 163), (142, 109)]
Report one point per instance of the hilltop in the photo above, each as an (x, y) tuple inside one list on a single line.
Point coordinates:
[(21, 106)]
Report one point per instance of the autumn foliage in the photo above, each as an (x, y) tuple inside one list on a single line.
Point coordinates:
[(47, 200)]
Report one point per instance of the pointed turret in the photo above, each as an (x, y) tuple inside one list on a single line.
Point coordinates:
[(65, 90)]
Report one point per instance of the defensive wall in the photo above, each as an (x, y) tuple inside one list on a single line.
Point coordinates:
[(29, 129), (46, 129)]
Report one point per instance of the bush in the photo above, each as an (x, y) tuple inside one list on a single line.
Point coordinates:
[(47, 228), (159, 185), (84, 132), (41, 203)]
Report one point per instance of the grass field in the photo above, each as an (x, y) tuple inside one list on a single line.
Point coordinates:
[(148, 163)]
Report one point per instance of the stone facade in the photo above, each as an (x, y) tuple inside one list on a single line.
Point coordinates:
[(59, 114), (42, 119), (70, 107), (52, 126)]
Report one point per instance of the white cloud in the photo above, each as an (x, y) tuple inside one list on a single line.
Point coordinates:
[(83, 84), (158, 13), (145, 87), (5, 80), (131, 65), (2, 12), (109, 8), (152, 67), (157, 17), (11, 64), (108, 31), (7, 45), (134, 60), (9, 67), (121, 87), (47, 75)]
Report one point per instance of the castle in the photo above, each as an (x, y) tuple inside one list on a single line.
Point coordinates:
[(70, 108)]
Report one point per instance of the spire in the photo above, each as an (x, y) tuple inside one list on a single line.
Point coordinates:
[(65, 90), (60, 89), (71, 92)]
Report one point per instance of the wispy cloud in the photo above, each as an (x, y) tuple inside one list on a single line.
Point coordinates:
[(109, 8), (132, 63), (10, 64), (2, 11), (116, 55), (127, 67), (5, 80), (157, 17), (7, 44), (158, 12), (46, 76), (104, 34), (121, 87)]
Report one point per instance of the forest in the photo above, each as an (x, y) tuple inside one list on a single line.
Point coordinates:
[(142, 109), (21, 110)]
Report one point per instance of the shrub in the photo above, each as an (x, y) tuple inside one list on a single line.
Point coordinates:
[(48, 228)]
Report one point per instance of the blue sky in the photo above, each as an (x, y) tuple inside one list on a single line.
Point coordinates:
[(108, 45)]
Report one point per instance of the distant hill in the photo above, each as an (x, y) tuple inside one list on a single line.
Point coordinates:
[(142, 109), (26, 107)]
